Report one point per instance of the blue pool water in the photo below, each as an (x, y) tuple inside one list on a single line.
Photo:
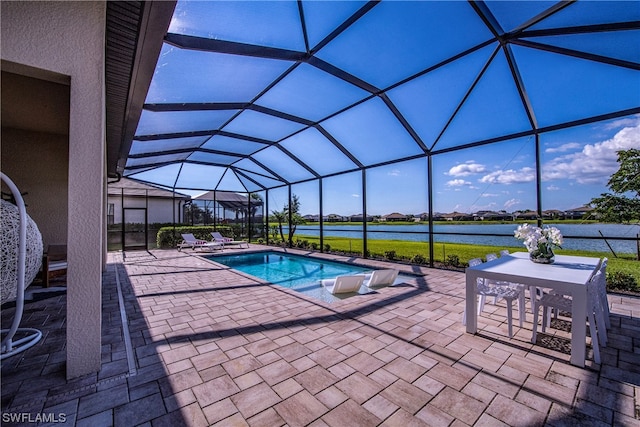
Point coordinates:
[(299, 273)]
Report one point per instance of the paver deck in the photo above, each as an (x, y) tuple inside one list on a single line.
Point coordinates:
[(210, 346)]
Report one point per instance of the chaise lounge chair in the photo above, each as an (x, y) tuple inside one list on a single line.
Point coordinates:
[(343, 284), (380, 278), (219, 238), (189, 241)]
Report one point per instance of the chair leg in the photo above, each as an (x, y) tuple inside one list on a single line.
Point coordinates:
[(601, 324), (602, 329), (545, 313), (594, 337), (532, 295), (604, 302), (534, 335), (522, 309), (481, 305)]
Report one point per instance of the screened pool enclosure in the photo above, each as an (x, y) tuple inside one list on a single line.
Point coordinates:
[(364, 109)]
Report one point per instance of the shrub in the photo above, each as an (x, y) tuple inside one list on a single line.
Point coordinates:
[(261, 241), (621, 281), (418, 259), (452, 260), (327, 247), (273, 231), (390, 255), (235, 230), (314, 246)]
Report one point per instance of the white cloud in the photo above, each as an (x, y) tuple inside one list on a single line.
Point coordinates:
[(553, 188), (564, 148), (625, 122), (457, 183), (465, 169), (488, 207), (596, 162), (511, 202), (357, 196), (489, 195), (395, 172), (510, 176)]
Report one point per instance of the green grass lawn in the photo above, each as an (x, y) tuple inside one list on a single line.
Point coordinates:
[(443, 252)]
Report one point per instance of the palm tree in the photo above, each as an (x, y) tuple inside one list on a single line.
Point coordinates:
[(296, 218), (280, 217)]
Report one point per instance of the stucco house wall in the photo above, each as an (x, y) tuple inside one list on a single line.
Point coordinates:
[(67, 38), (46, 187)]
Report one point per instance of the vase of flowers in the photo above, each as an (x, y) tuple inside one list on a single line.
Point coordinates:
[(540, 242)]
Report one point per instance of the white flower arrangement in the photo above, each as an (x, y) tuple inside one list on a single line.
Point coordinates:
[(539, 241)]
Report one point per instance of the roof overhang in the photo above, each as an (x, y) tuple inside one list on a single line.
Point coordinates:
[(134, 37)]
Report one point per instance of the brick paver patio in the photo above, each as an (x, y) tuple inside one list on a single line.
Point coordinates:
[(209, 346)]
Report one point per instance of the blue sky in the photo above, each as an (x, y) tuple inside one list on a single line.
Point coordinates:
[(577, 164), (393, 41)]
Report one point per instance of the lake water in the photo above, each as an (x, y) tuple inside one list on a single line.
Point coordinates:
[(577, 236)]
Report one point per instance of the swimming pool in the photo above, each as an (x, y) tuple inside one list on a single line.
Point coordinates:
[(296, 272)]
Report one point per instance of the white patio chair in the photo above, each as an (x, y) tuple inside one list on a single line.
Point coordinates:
[(189, 241), (343, 284), (217, 237), (517, 286), (595, 312), (602, 293), (487, 288), (380, 278)]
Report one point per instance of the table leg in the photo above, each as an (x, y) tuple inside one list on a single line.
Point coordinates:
[(471, 302), (579, 327)]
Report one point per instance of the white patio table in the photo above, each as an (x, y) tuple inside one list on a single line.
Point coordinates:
[(568, 275)]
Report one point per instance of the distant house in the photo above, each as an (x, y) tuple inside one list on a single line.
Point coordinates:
[(492, 216), (359, 218), (500, 216), (438, 216), (312, 218), (457, 216), (132, 201), (335, 218), (527, 215), (553, 214), (424, 216), (578, 213), (395, 216)]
